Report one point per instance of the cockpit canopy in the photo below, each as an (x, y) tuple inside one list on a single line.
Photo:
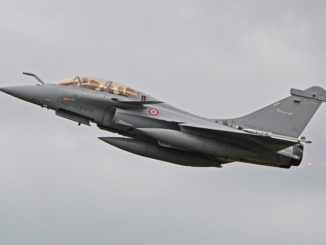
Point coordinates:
[(99, 85)]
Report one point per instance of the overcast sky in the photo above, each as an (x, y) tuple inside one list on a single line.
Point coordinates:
[(59, 184)]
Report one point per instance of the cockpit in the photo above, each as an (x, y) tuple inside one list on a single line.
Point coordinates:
[(99, 85)]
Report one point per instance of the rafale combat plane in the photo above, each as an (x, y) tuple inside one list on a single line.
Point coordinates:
[(154, 129)]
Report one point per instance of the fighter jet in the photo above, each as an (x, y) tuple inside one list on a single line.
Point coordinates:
[(155, 129)]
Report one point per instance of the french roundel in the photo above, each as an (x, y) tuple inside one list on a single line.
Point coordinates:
[(153, 111)]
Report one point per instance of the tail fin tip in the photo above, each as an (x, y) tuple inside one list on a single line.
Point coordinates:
[(315, 92)]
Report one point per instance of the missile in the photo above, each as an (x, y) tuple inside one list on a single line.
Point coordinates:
[(197, 143), (153, 150)]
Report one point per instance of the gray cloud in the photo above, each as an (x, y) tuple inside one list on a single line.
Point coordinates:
[(60, 185)]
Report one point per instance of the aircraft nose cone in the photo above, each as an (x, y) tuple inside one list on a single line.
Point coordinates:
[(22, 92)]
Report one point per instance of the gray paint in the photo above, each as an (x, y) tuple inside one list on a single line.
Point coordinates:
[(256, 50), (130, 116), (152, 150), (289, 116)]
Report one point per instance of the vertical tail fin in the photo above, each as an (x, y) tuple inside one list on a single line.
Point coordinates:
[(287, 117)]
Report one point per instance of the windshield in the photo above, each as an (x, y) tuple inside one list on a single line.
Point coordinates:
[(99, 85)]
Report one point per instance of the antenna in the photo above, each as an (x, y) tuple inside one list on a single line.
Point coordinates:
[(36, 77)]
